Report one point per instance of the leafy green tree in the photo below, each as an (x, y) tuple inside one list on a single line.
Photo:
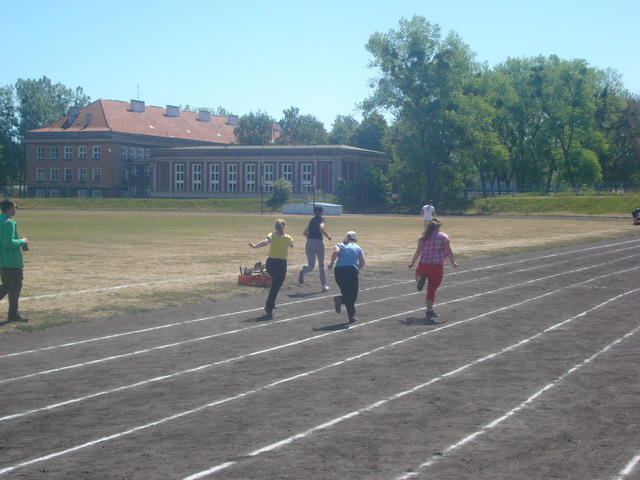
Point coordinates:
[(422, 78), (625, 166), (370, 190), (281, 193), (301, 129), (255, 129), (370, 134), (342, 130)]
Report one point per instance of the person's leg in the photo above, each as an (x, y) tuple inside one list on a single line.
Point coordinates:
[(347, 280), (4, 287), (277, 269), (309, 249), (14, 282), (319, 251), (434, 280)]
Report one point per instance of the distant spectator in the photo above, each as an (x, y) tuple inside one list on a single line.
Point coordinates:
[(428, 212), (315, 247), (11, 262)]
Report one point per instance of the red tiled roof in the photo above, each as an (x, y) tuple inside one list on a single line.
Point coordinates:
[(117, 116)]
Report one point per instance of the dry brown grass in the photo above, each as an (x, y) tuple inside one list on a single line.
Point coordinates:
[(85, 264)]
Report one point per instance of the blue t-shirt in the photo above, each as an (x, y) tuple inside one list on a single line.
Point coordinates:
[(349, 255)]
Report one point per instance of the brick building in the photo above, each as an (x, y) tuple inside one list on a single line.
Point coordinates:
[(104, 149)]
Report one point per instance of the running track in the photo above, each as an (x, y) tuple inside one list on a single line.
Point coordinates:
[(531, 372)]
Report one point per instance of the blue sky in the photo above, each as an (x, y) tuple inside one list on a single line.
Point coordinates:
[(260, 55)]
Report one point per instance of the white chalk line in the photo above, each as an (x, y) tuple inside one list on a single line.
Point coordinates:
[(305, 374), (628, 469), (244, 329), (335, 421), (228, 314), (177, 280)]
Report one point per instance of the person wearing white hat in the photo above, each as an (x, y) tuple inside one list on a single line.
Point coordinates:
[(348, 259)]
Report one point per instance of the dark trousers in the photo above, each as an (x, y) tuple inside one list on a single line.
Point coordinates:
[(347, 280), (277, 269), (12, 286)]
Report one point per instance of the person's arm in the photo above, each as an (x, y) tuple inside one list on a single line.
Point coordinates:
[(8, 233), (334, 256), (447, 248), (306, 232), (263, 243), (324, 232), (361, 262), (415, 256)]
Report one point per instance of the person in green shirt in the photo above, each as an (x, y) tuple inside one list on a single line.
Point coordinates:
[(279, 244), (11, 263)]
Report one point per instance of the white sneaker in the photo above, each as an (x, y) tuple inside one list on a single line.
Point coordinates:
[(325, 288)]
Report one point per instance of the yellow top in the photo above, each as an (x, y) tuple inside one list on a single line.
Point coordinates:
[(279, 246)]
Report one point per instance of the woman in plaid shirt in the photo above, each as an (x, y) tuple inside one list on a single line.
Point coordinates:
[(433, 248)]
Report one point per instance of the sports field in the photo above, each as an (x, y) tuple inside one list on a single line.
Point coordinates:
[(530, 372)]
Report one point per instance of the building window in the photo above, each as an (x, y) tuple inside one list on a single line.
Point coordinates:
[(54, 153), (147, 152), (53, 174), (97, 152), (68, 153), (132, 153), (147, 170), (232, 177), (250, 178), (269, 169), (40, 193), (82, 153), (39, 174), (214, 177), (196, 177), (40, 153), (68, 174), (82, 174), (97, 175), (96, 193), (307, 177), (287, 172), (124, 153), (180, 177), (134, 170), (82, 194), (133, 191), (141, 154), (54, 193), (147, 190)]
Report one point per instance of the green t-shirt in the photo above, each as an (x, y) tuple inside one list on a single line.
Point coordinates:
[(279, 246), (10, 244)]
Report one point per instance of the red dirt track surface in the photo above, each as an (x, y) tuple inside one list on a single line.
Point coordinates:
[(530, 372)]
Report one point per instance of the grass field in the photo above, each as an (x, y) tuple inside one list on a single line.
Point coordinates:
[(85, 264)]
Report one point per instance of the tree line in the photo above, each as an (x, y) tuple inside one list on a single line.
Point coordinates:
[(453, 122)]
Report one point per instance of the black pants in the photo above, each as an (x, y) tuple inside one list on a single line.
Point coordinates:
[(347, 280), (11, 285), (277, 269)]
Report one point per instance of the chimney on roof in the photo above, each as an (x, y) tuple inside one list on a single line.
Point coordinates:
[(74, 111), (204, 116), (232, 120), (137, 106), (173, 111)]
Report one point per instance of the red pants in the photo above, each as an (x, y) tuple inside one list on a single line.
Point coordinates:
[(434, 274)]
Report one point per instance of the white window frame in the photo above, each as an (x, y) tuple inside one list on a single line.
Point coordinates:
[(39, 174), (54, 193), (214, 177), (250, 177), (40, 193), (147, 170), (141, 154), (97, 152), (82, 175), (39, 153), (232, 177), (96, 175), (132, 153), (134, 170), (54, 153), (306, 174), (68, 153), (82, 153), (82, 193), (96, 193), (196, 177), (124, 153), (287, 172), (68, 175), (179, 177), (269, 173), (54, 174)]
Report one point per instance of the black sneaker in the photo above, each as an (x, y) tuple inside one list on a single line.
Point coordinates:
[(268, 313), (432, 314), (337, 301), (301, 277), (353, 319), (17, 318), (421, 282)]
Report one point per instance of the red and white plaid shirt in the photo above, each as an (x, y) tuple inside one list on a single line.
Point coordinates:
[(433, 249)]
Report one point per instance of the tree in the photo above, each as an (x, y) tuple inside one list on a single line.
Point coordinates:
[(301, 129), (255, 129), (370, 134), (370, 190), (342, 130), (422, 78), (281, 193)]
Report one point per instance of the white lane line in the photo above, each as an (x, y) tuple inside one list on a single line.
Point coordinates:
[(279, 382), (239, 312), (335, 421), (208, 337), (202, 278), (628, 469)]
